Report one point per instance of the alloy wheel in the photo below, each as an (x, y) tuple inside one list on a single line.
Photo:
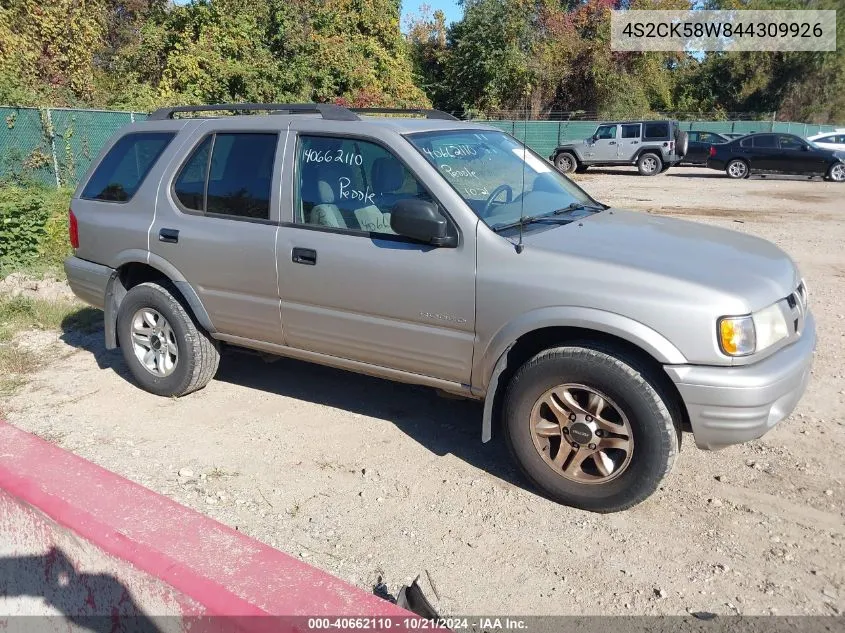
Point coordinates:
[(154, 342), (837, 172), (649, 165), (737, 169), (581, 434)]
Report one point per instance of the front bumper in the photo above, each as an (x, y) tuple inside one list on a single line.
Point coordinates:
[(731, 405), (88, 280)]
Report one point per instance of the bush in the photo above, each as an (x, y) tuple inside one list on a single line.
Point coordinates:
[(33, 226)]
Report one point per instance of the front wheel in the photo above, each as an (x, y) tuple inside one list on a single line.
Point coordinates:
[(166, 351), (566, 162), (836, 173), (590, 427)]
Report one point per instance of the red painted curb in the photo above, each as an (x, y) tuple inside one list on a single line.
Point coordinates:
[(227, 572)]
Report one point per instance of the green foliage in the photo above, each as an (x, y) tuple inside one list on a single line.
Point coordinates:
[(33, 226), (503, 55)]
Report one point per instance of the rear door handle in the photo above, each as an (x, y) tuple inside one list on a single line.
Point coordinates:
[(305, 256), (168, 235), (612, 143)]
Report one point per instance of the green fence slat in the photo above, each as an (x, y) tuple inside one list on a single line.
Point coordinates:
[(27, 150)]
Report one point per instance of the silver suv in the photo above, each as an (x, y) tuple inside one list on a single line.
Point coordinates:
[(653, 146), (447, 254)]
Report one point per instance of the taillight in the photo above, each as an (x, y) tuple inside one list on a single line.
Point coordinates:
[(712, 151), (73, 229)]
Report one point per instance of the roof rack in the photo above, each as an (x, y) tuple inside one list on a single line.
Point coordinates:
[(427, 112), (328, 111)]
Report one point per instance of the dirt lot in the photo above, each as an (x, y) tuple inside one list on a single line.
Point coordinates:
[(367, 478)]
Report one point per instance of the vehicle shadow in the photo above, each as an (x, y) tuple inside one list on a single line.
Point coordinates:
[(440, 424), (96, 602)]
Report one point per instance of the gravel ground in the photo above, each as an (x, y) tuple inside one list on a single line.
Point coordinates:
[(367, 478)]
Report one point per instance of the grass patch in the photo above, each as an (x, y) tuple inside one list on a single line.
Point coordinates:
[(19, 314), (25, 313)]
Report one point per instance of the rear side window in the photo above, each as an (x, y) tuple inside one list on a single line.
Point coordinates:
[(656, 131), (122, 170), (631, 131), (190, 185), (229, 174), (765, 140)]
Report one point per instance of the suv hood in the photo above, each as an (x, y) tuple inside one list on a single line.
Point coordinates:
[(654, 251)]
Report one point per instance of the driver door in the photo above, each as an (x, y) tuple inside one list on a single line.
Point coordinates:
[(604, 147), (352, 288)]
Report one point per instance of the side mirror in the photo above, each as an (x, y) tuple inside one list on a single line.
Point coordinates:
[(805, 148), (420, 220)]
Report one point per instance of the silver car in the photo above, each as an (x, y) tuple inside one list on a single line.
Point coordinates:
[(442, 253)]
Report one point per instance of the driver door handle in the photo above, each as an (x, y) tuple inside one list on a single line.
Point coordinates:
[(612, 143)]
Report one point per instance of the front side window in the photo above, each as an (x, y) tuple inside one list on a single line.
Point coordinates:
[(500, 178), (351, 184), (787, 141), (124, 167), (229, 174), (606, 132), (631, 131), (656, 131)]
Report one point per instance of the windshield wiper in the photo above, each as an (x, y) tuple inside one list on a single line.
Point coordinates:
[(547, 217), (577, 206), (531, 219)]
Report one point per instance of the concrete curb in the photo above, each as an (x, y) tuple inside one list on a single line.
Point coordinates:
[(208, 568)]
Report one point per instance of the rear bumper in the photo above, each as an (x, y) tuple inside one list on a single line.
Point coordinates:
[(88, 280), (731, 405)]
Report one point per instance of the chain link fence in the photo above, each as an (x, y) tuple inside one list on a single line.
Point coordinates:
[(55, 146)]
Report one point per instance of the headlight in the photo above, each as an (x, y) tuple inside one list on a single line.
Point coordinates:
[(744, 335)]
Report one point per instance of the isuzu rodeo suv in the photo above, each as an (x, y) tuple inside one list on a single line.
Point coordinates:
[(433, 251)]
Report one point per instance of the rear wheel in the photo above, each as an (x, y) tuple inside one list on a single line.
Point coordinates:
[(836, 173), (737, 169), (166, 351), (649, 164), (566, 162), (591, 428)]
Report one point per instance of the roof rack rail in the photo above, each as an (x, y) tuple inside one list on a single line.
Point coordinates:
[(429, 113), (328, 111)]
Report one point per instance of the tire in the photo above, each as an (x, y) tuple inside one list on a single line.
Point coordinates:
[(196, 356), (652, 419), (649, 164), (681, 143), (566, 162), (737, 169), (836, 173)]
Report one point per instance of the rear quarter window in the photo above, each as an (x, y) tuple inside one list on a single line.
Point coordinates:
[(659, 131), (122, 171)]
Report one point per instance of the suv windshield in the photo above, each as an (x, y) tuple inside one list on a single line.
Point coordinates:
[(501, 179)]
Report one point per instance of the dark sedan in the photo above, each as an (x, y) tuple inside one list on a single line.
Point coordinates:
[(698, 148), (776, 154)]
